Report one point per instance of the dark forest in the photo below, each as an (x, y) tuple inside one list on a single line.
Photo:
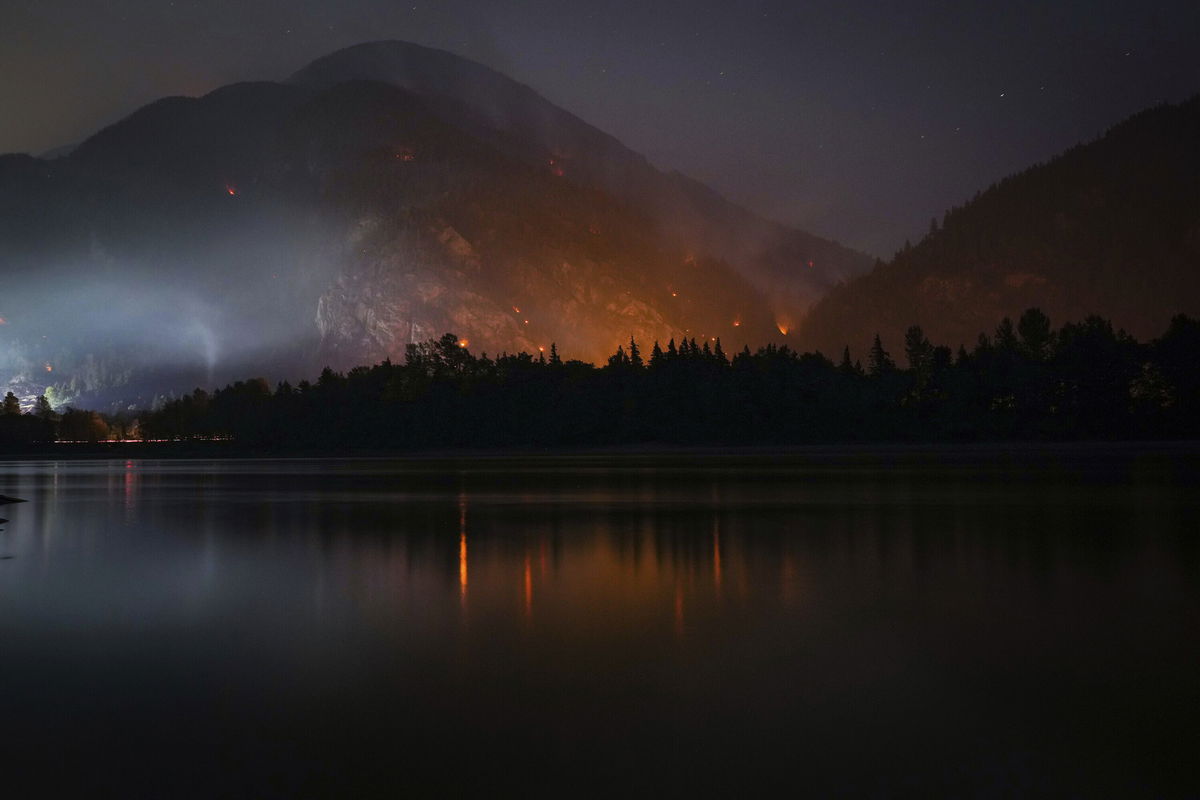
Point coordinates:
[(1026, 381)]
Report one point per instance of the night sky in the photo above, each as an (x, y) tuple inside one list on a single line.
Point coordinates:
[(854, 119)]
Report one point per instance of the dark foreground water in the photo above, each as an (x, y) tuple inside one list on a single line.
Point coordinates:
[(947, 621)]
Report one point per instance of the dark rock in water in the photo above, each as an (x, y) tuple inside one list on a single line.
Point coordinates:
[(6, 500)]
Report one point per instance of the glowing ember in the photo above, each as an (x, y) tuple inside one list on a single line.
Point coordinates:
[(674, 294), (231, 190), (49, 368), (463, 342), (541, 349), (737, 323), (526, 322), (516, 310), (782, 328)]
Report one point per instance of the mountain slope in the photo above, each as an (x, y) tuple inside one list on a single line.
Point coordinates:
[(274, 229), (793, 266), (1111, 227)]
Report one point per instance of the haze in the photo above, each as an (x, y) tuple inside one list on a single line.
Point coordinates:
[(847, 119)]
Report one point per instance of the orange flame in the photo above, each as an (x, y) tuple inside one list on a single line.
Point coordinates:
[(230, 190)]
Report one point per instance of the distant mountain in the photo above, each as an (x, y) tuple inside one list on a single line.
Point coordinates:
[(1111, 227), (274, 228)]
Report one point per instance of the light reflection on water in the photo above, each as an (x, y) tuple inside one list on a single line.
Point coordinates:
[(946, 620)]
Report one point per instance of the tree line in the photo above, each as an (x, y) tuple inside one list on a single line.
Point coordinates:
[(1026, 381)]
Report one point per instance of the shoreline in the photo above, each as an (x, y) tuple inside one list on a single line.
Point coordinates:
[(230, 450)]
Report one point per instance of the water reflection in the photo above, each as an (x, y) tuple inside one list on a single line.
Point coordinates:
[(678, 620)]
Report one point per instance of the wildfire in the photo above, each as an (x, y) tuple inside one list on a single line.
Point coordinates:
[(516, 310), (782, 328), (526, 322), (674, 294), (463, 343), (48, 367), (231, 190), (541, 349), (737, 323)]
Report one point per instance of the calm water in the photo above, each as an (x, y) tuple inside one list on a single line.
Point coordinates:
[(968, 621)]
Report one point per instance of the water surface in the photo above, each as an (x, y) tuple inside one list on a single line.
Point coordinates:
[(975, 621)]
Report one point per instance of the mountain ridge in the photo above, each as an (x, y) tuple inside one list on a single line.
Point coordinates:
[(1109, 227)]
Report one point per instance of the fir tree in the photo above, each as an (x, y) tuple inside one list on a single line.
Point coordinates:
[(879, 362)]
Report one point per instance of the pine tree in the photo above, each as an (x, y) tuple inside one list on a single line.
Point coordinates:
[(719, 352), (555, 361), (12, 406), (656, 356), (846, 366), (879, 362), (42, 409), (918, 350), (635, 353)]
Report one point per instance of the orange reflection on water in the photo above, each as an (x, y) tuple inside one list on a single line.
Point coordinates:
[(678, 610), (716, 540), (528, 588), (462, 547), (462, 564)]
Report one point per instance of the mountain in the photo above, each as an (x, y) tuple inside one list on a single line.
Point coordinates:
[(791, 266), (1111, 227), (271, 229)]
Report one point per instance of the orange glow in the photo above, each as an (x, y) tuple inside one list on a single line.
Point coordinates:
[(230, 190), (49, 368), (528, 587), (526, 322), (674, 294), (462, 549), (462, 564), (516, 310), (463, 343), (541, 349), (782, 328), (678, 611), (737, 323)]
